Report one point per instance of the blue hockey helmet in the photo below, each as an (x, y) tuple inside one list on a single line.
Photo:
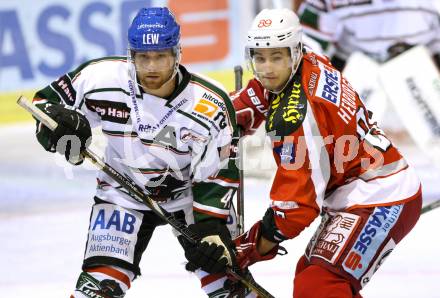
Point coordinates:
[(154, 29)]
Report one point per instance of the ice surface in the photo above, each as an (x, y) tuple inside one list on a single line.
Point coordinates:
[(44, 219)]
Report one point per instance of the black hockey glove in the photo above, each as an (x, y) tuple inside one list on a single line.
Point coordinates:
[(214, 252), (73, 130), (237, 289), (164, 187)]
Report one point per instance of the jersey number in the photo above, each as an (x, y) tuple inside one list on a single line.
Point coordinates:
[(226, 200), (371, 132)]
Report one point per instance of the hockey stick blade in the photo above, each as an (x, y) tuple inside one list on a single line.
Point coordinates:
[(137, 193)]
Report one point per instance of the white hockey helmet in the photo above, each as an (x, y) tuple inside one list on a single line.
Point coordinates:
[(276, 28)]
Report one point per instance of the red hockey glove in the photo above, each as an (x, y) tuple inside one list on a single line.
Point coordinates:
[(246, 245), (251, 106)]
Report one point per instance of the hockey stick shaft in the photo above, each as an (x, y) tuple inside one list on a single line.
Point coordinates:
[(137, 193), (430, 207), (238, 75)]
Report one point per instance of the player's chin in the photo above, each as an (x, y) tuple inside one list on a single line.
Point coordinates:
[(152, 84), (270, 84), (153, 81)]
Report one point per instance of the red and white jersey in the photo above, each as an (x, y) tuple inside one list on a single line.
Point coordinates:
[(328, 152), (371, 26)]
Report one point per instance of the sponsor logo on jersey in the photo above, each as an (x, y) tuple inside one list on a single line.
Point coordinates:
[(312, 82), (291, 112), (147, 128), (113, 232), (332, 235), (286, 151), (171, 111), (206, 108), (211, 109), (256, 101), (273, 109), (187, 135), (370, 239), (153, 128), (204, 118), (108, 221), (215, 101), (110, 111), (329, 84), (287, 110), (64, 89)]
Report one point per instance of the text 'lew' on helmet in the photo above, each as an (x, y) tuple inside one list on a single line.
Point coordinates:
[(154, 29)]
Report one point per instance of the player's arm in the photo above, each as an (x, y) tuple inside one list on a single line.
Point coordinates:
[(294, 202), (251, 106), (62, 101), (215, 180)]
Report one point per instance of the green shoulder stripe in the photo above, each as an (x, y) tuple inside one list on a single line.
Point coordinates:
[(73, 73)]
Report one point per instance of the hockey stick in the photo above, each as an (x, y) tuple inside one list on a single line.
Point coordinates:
[(238, 75), (137, 193), (430, 207)]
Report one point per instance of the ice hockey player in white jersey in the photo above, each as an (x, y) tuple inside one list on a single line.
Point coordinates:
[(166, 129), (378, 28)]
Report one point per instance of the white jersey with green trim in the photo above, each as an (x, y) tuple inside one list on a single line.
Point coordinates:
[(187, 135), (371, 26)]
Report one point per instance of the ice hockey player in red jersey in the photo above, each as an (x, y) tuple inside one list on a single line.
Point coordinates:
[(331, 160)]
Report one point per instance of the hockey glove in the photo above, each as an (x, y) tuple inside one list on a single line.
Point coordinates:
[(164, 187), (246, 245), (73, 130), (251, 106), (237, 289), (214, 252)]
